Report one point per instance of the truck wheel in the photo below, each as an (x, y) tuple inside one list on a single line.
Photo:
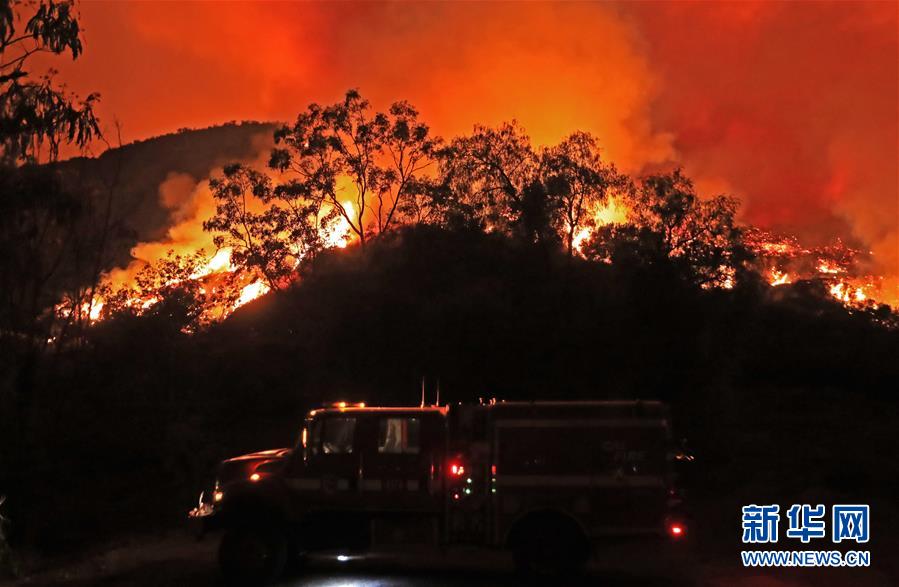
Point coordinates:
[(252, 554), (296, 554), (549, 546)]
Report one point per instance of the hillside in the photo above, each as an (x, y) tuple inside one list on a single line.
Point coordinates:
[(135, 172)]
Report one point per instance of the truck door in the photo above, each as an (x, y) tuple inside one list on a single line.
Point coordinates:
[(334, 458), (400, 471)]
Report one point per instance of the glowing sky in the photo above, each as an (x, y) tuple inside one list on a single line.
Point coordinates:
[(793, 107)]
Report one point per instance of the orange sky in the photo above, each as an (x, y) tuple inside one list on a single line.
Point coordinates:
[(793, 107)]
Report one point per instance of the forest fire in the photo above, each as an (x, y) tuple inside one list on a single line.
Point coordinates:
[(222, 286), (218, 284), (838, 266), (646, 121), (343, 173)]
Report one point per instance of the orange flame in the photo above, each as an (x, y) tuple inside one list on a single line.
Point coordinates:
[(828, 268), (338, 234), (251, 292), (847, 293), (779, 277), (612, 211), (221, 261)]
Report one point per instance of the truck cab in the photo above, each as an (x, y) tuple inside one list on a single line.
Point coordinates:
[(546, 479)]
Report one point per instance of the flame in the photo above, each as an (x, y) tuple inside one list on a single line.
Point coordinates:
[(146, 304), (776, 277), (582, 236), (847, 293), (93, 312), (221, 261), (251, 292), (338, 234), (612, 211), (828, 268), (840, 267), (728, 282)]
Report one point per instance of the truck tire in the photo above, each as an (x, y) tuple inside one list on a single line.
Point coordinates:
[(549, 545), (253, 554), (296, 554)]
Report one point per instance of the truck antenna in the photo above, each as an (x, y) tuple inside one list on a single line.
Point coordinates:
[(422, 391), (438, 392)]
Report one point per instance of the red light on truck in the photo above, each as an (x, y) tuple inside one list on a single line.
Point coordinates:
[(676, 529)]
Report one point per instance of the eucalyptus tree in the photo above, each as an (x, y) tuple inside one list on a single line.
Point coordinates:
[(364, 165)]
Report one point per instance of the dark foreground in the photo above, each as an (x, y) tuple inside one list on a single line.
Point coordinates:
[(180, 560)]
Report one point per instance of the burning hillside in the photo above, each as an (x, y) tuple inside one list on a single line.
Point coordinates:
[(213, 284), (216, 286), (782, 259), (343, 174)]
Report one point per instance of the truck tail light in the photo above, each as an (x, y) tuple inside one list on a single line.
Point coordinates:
[(677, 529), (456, 466)]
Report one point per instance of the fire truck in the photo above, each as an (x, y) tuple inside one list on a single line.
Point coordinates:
[(545, 479)]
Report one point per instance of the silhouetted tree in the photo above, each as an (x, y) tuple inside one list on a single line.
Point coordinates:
[(362, 164), (667, 220), (34, 113), (579, 180), (44, 221), (38, 221), (270, 229), (492, 173), (267, 240)]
